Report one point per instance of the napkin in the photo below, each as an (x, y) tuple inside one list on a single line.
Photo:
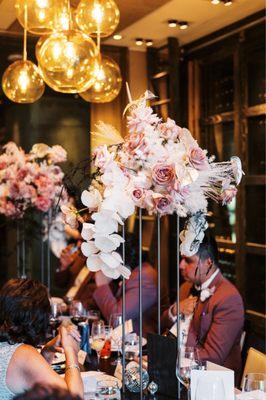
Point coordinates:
[(117, 332), (254, 395)]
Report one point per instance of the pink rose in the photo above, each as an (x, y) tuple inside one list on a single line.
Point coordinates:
[(179, 193), (135, 142), (169, 130), (197, 158), (163, 203), (163, 174), (138, 196), (43, 203), (228, 194), (57, 154)]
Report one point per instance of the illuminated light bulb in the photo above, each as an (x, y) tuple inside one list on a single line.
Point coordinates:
[(97, 13), (66, 61), (43, 16), (228, 3), (42, 3), (107, 82), (183, 25), (149, 42), (94, 16), (215, 2), (22, 82)]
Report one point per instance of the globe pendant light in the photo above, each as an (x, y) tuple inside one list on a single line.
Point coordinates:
[(43, 15), (107, 84), (66, 60), (97, 15), (21, 81)]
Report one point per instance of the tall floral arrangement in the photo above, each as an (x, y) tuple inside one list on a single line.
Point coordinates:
[(160, 168), (30, 181)]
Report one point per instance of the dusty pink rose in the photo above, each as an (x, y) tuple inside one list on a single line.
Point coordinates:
[(179, 192), (169, 130), (228, 194), (163, 175), (138, 196), (42, 203), (197, 158), (135, 142), (163, 203), (57, 154)]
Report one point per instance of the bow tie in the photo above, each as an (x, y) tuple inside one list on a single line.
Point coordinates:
[(194, 292)]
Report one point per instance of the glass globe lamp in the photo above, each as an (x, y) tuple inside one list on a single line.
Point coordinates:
[(107, 84), (43, 15), (66, 61), (97, 16), (22, 82)]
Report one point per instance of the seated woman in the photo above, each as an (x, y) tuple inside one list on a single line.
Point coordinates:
[(108, 294), (24, 319), (40, 392)]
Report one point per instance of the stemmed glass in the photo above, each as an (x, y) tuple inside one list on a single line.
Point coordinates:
[(54, 320), (187, 360), (254, 381), (98, 335), (114, 322), (209, 388), (77, 312)]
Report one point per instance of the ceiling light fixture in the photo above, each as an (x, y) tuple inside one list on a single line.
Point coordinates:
[(149, 42), (183, 25), (139, 41), (172, 23), (215, 2), (228, 2), (117, 37)]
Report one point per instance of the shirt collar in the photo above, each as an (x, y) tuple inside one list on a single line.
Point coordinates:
[(208, 281)]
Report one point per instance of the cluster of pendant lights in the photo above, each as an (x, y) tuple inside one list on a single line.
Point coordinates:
[(69, 61)]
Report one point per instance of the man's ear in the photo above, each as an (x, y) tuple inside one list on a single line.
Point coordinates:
[(209, 265)]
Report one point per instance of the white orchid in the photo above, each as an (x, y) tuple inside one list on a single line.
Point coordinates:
[(87, 231), (108, 243), (91, 198), (89, 248), (106, 221)]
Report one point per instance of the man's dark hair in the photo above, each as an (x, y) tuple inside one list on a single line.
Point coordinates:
[(24, 312), (39, 392), (208, 248)]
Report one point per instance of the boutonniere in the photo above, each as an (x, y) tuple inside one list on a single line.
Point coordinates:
[(206, 293)]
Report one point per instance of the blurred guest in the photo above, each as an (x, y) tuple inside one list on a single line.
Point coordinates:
[(40, 392), (108, 294), (212, 309), (24, 318)]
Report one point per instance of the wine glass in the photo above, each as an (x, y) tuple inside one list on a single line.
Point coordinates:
[(210, 388), (114, 322), (107, 389), (93, 315), (187, 360), (54, 320), (98, 335), (254, 381), (77, 312)]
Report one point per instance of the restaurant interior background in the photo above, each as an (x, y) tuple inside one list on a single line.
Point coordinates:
[(208, 74)]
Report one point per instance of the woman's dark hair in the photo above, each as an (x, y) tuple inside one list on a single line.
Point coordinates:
[(39, 392), (24, 312), (209, 249)]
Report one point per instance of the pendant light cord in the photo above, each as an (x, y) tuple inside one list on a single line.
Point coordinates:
[(25, 33)]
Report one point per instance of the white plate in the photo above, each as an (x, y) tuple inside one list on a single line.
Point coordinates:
[(59, 358)]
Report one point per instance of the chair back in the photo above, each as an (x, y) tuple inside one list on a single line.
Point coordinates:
[(256, 362)]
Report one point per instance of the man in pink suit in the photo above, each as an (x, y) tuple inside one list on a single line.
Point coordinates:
[(212, 308)]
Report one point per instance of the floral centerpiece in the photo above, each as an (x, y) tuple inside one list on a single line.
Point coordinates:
[(30, 181), (160, 168)]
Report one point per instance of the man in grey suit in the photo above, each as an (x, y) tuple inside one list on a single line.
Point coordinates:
[(212, 308)]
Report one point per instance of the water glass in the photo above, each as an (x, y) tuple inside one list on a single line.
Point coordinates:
[(210, 388), (98, 338), (187, 360), (254, 381), (116, 321), (107, 390)]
